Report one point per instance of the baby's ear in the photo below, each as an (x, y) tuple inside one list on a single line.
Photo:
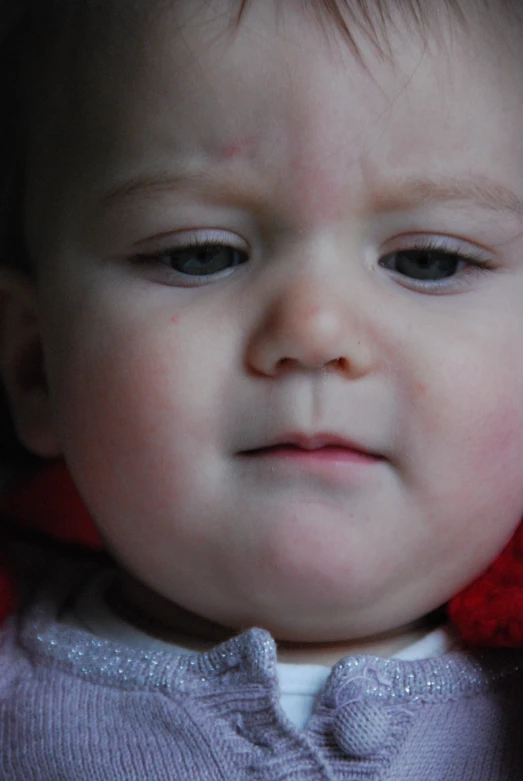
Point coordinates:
[(22, 370)]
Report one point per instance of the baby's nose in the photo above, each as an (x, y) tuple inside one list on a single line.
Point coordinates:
[(308, 326)]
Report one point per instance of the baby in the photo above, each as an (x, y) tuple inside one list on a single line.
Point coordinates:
[(265, 301)]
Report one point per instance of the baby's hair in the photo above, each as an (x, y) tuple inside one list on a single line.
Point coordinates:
[(372, 19)]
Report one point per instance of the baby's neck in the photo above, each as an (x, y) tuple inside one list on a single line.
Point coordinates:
[(386, 645), (170, 623)]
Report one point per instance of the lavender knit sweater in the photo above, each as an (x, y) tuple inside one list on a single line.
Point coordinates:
[(77, 708)]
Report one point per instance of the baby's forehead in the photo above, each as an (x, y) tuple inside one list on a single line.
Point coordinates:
[(191, 59), (70, 41), (82, 48)]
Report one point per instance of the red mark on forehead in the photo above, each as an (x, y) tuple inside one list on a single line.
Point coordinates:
[(237, 147)]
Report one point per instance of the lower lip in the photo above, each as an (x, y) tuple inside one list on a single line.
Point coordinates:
[(322, 455)]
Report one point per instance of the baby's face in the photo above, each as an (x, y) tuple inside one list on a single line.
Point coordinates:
[(281, 304)]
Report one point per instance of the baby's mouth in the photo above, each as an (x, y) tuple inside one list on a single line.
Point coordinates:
[(320, 447)]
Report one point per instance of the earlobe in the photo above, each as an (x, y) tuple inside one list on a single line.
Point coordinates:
[(22, 368)]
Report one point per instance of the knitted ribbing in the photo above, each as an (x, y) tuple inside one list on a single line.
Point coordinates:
[(73, 706)]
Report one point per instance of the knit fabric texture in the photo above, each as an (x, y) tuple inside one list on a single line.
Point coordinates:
[(74, 706)]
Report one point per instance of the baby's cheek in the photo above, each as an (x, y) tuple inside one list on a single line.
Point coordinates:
[(473, 404), (489, 486), (497, 427), (463, 438), (117, 409)]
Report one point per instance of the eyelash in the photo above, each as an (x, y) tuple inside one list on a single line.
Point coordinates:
[(193, 246), (477, 263)]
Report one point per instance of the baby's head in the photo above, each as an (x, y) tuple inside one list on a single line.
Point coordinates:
[(272, 317)]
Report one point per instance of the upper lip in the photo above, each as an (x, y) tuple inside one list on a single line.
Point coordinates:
[(313, 442)]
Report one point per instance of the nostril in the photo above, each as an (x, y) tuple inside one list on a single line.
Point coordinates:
[(338, 364), (341, 364), (284, 363)]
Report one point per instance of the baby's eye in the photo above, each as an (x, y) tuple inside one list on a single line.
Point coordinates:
[(425, 265), (200, 260)]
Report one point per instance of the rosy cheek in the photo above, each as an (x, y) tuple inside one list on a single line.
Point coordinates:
[(493, 475), (502, 445)]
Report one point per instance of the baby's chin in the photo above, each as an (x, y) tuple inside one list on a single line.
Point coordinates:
[(167, 621)]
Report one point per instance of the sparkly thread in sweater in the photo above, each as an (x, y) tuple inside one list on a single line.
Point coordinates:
[(83, 707)]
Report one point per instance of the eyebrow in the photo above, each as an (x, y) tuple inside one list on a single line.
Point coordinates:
[(407, 193), (153, 183), (478, 191)]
